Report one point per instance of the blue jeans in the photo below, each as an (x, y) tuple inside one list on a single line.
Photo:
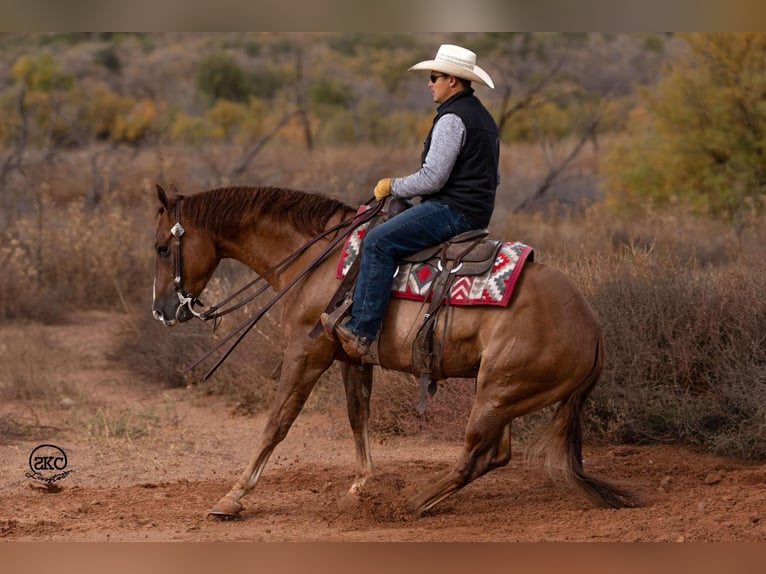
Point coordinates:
[(423, 225)]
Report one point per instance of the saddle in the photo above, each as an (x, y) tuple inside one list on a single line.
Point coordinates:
[(475, 258), (469, 253)]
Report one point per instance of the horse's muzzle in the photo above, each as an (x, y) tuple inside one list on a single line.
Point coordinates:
[(159, 316), (170, 312)]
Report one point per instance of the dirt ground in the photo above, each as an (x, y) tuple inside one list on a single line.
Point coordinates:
[(149, 462)]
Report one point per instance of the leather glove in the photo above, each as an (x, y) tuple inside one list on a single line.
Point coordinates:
[(382, 189)]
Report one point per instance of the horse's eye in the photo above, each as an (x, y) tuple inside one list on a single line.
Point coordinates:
[(162, 250)]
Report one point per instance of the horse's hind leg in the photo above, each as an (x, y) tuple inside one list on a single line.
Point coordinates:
[(358, 385), (487, 446)]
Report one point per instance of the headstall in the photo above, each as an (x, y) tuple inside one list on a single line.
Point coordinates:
[(187, 299)]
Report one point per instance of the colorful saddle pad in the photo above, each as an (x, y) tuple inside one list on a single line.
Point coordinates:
[(413, 280)]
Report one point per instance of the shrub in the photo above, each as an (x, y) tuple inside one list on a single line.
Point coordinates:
[(109, 58), (680, 299), (75, 259), (139, 123), (686, 360), (219, 76)]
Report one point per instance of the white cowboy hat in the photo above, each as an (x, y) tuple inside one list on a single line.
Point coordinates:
[(458, 62)]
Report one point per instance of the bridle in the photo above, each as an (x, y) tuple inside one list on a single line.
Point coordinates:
[(215, 312), (185, 298)]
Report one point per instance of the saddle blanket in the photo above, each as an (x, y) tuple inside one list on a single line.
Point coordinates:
[(413, 280)]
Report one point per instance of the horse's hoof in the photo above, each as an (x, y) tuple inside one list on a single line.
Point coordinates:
[(225, 508), (349, 502), (417, 505)]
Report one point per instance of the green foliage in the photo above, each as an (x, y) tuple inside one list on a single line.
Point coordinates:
[(542, 117), (700, 137), (265, 83), (108, 58), (192, 130), (337, 70), (328, 92), (234, 121), (72, 38), (389, 70), (11, 123), (225, 121), (41, 73), (100, 109), (285, 48), (98, 112), (49, 105), (140, 122), (219, 77), (253, 49), (225, 118), (654, 43), (352, 43)]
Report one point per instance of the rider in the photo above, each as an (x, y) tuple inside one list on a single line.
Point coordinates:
[(456, 184)]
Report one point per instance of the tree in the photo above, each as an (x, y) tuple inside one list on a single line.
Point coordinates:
[(698, 136), (551, 94)]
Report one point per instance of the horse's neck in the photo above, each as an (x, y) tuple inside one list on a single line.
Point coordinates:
[(265, 247)]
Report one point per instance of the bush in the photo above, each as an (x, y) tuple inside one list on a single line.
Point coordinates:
[(686, 360), (681, 302), (220, 77), (74, 259), (109, 58)]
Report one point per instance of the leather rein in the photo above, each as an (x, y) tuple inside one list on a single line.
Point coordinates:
[(215, 312)]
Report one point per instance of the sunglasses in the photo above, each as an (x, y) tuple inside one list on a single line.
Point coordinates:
[(435, 77)]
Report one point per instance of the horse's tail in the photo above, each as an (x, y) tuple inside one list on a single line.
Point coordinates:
[(561, 444)]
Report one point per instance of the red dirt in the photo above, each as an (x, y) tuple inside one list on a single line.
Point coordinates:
[(159, 485)]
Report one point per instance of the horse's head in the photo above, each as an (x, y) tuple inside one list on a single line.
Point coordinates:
[(185, 260)]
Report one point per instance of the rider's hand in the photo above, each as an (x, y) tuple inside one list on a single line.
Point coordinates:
[(382, 189)]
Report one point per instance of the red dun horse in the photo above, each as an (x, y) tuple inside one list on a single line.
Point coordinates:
[(544, 348)]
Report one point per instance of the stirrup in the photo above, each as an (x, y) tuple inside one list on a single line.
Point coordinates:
[(328, 326)]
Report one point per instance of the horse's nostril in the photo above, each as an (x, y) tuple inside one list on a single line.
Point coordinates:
[(160, 316)]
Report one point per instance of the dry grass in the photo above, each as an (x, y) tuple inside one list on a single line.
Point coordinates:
[(681, 301), (687, 355), (30, 377), (31, 370)]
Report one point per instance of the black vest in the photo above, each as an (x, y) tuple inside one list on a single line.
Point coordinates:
[(472, 182)]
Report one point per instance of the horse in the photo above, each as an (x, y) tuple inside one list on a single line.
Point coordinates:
[(545, 347)]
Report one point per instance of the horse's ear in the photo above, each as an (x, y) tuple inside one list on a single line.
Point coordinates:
[(162, 196)]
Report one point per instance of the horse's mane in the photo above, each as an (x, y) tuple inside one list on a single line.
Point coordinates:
[(226, 209)]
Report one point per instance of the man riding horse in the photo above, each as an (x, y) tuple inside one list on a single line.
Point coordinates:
[(544, 347), (456, 183)]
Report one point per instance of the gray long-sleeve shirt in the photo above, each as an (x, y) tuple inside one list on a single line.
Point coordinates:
[(447, 140)]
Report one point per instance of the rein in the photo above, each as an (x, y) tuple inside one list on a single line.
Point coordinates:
[(214, 311)]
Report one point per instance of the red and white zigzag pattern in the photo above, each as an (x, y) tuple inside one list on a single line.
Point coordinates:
[(413, 281)]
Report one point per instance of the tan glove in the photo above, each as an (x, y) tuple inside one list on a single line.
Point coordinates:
[(382, 189)]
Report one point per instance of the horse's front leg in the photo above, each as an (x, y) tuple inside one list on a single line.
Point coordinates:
[(301, 369), (358, 385)]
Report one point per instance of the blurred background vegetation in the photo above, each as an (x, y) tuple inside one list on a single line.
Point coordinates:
[(634, 162)]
